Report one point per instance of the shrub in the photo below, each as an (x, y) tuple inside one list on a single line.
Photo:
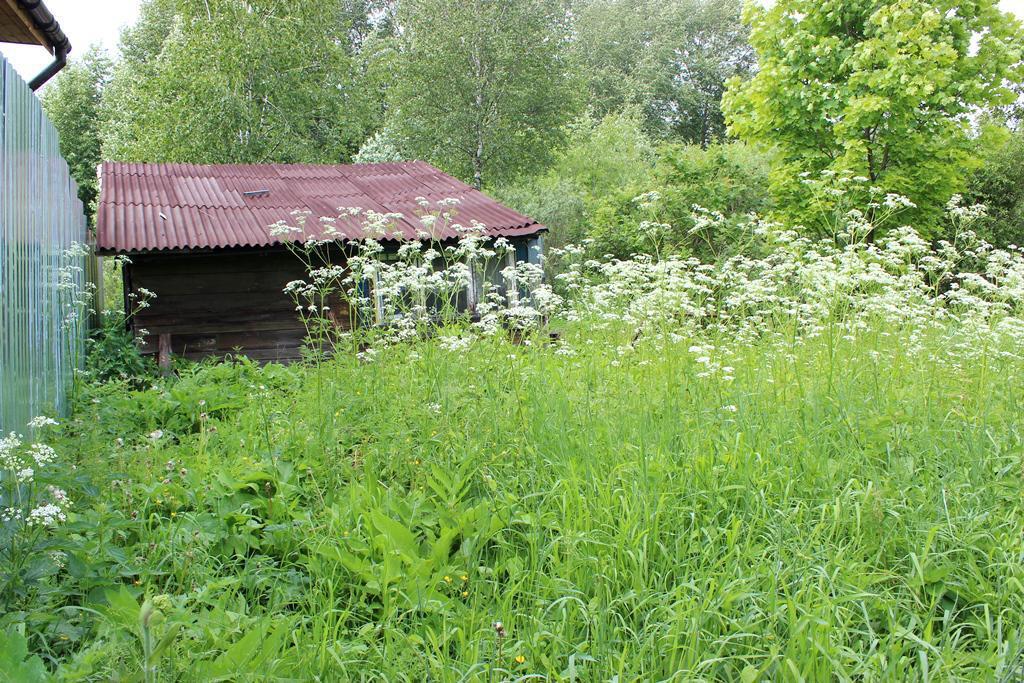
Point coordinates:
[(999, 185), (588, 193), (556, 203), (601, 157), (111, 352), (729, 180)]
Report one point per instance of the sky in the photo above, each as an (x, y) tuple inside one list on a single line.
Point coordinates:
[(100, 21)]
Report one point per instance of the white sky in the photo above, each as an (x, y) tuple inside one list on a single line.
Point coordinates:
[(100, 21)]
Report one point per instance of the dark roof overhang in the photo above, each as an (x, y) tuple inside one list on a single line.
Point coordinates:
[(29, 22)]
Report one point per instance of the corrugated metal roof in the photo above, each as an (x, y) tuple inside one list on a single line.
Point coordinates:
[(154, 207)]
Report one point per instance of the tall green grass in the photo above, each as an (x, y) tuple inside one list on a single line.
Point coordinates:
[(841, 506)]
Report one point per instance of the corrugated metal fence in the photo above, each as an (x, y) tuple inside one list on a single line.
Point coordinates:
[(42, 262)]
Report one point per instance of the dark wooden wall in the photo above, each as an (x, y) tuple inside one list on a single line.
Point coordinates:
[(214, 303)]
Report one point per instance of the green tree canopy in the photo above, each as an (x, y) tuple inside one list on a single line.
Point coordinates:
[(670, 59), (483, 88), (882, 89), (216, 81), (72, 102)]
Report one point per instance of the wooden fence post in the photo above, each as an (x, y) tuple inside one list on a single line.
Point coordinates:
[(164, 353)]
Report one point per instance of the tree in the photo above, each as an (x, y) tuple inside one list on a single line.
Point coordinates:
[(669, 59), (72, 103), (367, 20), (611, 51), (483, 88), (218, 81), (379, 148), (873, 88), (1013, 114), (600, 158), (708, 47)]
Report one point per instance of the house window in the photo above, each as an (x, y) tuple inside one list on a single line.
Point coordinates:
[(522, 252)]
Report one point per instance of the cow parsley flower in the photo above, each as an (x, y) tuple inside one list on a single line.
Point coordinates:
[(42, 454), (48, 515)]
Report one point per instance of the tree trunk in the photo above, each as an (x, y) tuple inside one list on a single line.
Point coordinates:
[(478, 165)]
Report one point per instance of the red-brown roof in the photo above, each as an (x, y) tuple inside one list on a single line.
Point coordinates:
[(153, 207)]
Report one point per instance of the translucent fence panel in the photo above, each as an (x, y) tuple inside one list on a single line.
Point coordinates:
[(42, 261)]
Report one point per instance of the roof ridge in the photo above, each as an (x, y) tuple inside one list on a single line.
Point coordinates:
[(157, 164)]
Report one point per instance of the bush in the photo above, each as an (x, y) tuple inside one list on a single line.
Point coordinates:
[(999, 185), (555, 202), (601, 158), (588, 193), (730, 180), (111, 353), (607, 155)]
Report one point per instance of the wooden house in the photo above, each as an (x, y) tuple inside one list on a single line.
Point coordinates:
[(199, 238)]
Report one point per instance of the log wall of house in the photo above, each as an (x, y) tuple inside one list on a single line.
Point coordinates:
[(216, 303), (223, 301)]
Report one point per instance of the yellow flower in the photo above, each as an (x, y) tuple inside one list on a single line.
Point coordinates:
[(464, 577), (520, 659), (465, 594), (447, 579)]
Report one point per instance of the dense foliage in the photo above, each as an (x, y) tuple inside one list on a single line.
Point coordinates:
[(73, 103), (590, 193), (998, 184), (876, 89), (482, 87), (217, 82), (668, 59), (519, 98)]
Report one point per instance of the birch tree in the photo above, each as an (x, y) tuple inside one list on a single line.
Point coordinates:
[(227, 81), (669, 59), (483, 87)]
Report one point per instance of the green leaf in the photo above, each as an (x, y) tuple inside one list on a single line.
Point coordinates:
[(122, 608), (165, 642), (248, 655), (16, 666), (749, 674), (396, 534)]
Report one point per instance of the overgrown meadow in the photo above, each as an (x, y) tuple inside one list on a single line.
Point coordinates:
[(805, 465)]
